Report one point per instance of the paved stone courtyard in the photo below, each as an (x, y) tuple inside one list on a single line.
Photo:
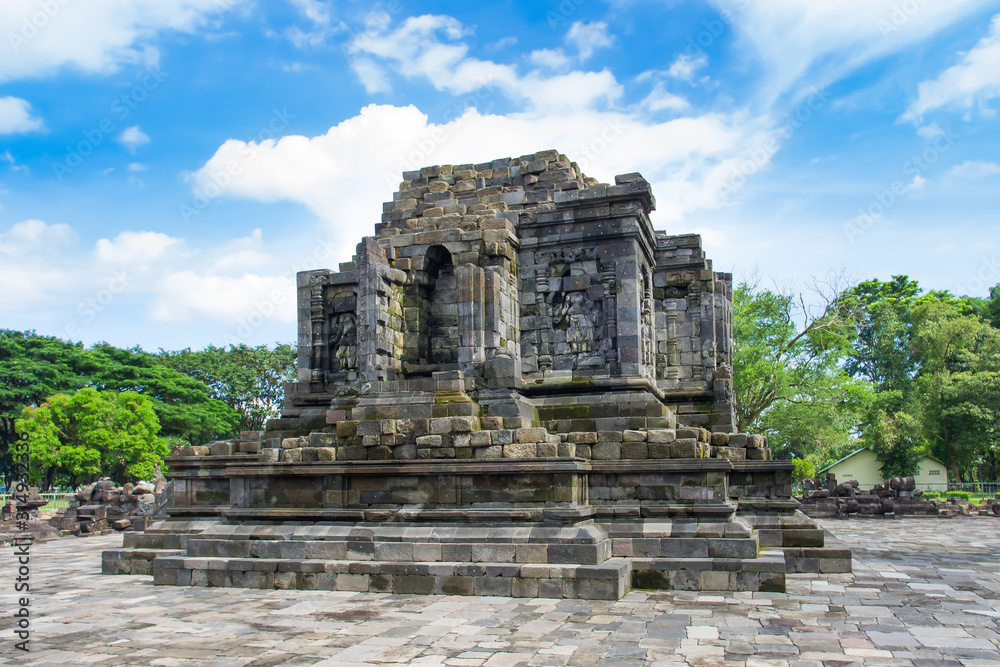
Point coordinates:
[(923, 593)]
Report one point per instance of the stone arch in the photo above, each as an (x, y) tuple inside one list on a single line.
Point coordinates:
[(431, 339)]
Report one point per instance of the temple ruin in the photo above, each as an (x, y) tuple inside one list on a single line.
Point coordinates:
[(516, 387)]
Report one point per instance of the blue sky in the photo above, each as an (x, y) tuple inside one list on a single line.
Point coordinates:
[(167, 165)]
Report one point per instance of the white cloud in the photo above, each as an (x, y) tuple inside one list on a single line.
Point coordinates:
[(823, 41), (344, 175), (49, 274), (917, 183), (94, 37), (135, 249), (27, 271), (184, 296), (685, 66), (132, 138), (373, 76), (976, 79), (588, 37), (16, 116), (660, 99), (314, 10), (931, 131), (136, 167), (415, 49), (551, 58), (974, 170)]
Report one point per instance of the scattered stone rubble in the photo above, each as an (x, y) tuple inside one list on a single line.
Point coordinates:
[(102, 506), (824, 498)]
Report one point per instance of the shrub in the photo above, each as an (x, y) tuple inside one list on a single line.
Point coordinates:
[(930, 495), (964, 495)]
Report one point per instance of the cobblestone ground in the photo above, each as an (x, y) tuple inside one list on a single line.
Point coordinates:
[(923, 593)]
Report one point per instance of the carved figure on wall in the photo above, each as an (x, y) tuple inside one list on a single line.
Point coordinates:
[(343, 339), (580, 317)]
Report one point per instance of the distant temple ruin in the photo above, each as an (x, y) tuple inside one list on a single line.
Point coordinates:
[(516, 387)]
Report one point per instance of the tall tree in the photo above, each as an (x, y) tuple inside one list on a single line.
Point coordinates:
[(32, 368), (250, 380), (787, 374), (958, 383), (90, 434)]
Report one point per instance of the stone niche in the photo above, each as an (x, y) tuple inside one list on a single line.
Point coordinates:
[(517, 386)]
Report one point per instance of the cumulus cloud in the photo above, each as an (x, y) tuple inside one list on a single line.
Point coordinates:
[(185, 296), (94, 37), (135, 248), (551, 58), (344, 175), (48, 271), (429, 47), (16, 116), (976, 79)]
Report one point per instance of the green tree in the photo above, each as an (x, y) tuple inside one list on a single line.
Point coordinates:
[(250, 380), (881, 353), (958, 384), (32, 368), (91, 434), (787, 375), (183, 404)]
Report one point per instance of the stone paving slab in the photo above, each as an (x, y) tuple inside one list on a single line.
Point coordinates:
[(924, 593)]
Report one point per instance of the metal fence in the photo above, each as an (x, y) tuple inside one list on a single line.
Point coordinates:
[(56, 500), (976, 488)]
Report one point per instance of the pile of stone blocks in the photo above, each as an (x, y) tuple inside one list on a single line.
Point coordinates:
[(102, 506), (516, 386)]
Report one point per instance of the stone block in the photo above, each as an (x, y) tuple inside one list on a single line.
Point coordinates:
[(530, 435), (737, 439), (606, 451), (491, 452), (731, 453), (755, 441), (520, 450), (685, 448), (582, 438), (547, 450), (222, 448), (661, 435), (635, 450), (720, 439), (322, 440), (347, 429), (429, 441), (463, 424), (441, 425), (634, 436), (659, 450), (250, 446), (480, 439), (405, 452), (683, 433)]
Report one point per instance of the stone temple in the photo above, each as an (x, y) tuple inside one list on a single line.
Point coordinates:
[(516, 387)]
